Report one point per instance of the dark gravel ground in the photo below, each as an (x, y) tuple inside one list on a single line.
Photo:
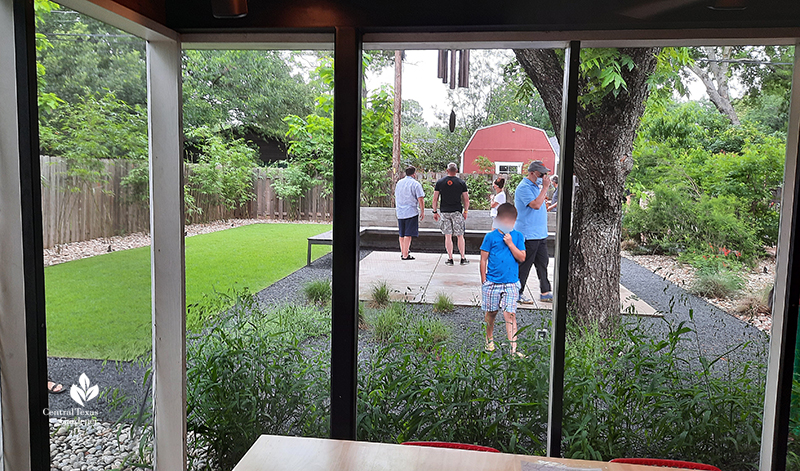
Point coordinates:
[(126, 377), (716, 331)]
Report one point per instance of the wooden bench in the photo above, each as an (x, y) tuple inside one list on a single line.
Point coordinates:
[(326, 238)]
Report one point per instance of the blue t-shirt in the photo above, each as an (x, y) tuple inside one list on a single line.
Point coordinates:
[(531, 222), (502, 266)]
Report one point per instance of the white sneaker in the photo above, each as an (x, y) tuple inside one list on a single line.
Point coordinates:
[(524, 299)]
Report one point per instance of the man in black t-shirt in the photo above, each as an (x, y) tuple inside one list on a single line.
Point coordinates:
[(453, 191)]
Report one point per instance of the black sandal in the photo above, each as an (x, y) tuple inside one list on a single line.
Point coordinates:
[(408, 258), (52, 389)]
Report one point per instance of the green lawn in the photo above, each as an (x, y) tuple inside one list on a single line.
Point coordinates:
[(99, 307)]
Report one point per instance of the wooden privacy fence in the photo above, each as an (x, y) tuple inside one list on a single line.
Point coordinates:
[(74, 210)]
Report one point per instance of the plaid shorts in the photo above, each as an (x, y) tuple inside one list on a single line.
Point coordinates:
[(499, 296), (452, 223)]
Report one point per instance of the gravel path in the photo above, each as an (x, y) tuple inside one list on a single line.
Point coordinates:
[(717, 330)]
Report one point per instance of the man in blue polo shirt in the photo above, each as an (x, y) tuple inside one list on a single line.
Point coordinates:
[(529, 200)]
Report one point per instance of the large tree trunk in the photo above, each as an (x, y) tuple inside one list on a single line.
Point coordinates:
[(604, 140)]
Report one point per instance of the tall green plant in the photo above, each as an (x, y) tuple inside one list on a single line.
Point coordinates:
[(223, 172)]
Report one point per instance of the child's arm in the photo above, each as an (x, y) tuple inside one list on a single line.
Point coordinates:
[(484, 263), (515, 251)]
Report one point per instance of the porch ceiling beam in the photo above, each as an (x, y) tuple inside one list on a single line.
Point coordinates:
[(124, 18), (589, 39)]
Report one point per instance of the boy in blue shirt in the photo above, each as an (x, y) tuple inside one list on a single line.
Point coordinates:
[(501, 252)]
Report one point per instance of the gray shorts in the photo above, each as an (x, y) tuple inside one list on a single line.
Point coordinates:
[(452, 223)]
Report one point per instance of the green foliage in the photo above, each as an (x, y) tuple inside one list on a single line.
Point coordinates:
[(484, 164), (248, 375), (716, 283), (83, 56), (94, 128), (394, 323), (381, 294), (428, 333), (443, 303), (311, 139), (674, 221), (318, 291), (390, 323), (290, 183), (635, 393), (223, 171), (512, 182), (247, 90), (731, 173), (480, 187), (631, 391)]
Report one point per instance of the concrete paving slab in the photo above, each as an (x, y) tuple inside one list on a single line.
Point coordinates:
[(420, 280)]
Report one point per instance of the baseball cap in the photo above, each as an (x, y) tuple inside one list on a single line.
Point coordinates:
[(538, 166), (452, 166)]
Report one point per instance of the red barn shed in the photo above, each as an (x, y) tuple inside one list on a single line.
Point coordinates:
[(510, 146)]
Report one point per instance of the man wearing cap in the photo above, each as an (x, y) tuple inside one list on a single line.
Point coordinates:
[(452, 190), (529, 199)]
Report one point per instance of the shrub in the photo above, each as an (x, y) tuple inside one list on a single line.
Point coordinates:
[(381, 294), (757, 303), (290, 184), (248, 375), (443, 303), (318, 291), (637, 393), (479, 187), (670, 221), (512, 182), (428, 334), (465, 397), (389, 324), (484, 164), (716, 283)]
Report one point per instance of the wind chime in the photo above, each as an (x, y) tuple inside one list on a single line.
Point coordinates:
[(454, 68)]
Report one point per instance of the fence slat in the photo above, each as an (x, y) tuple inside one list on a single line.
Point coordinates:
[(73, 211)]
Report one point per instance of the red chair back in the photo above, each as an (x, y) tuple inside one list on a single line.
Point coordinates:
[(666, 463), (459, 446)]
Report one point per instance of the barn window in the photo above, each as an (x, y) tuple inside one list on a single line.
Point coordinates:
[(508, 167)]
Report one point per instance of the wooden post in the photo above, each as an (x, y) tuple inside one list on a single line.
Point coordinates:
[(346, 215), (397, 118), (167, 254), (569, 113)]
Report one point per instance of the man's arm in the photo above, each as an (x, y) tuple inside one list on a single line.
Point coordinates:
[(435, 204), (539, 201), (484, 263), (465, 195), (421, 208)]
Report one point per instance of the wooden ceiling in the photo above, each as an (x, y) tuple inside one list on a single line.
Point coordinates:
[(470, 15)]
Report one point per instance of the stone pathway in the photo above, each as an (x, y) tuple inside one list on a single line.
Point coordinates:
[(421, 280)]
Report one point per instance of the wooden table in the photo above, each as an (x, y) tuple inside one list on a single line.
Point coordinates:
[(279, 453)]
